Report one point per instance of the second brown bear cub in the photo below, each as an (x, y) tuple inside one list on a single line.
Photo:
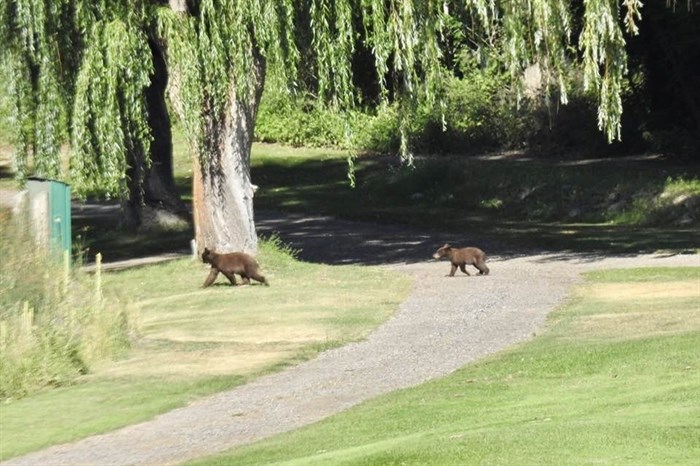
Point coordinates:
[(231, 264), (462, 257)]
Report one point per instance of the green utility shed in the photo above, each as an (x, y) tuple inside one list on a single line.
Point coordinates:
[(49, 202)]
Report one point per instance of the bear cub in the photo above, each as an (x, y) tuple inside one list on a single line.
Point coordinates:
[(461, 257), (231, 264)]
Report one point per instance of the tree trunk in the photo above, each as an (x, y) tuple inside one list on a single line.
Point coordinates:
[(154, 187), (222, 190), (160, 189)]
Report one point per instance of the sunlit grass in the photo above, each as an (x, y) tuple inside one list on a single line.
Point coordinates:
[(610, 393), (195, 341)]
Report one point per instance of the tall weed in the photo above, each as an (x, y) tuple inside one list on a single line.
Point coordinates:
[(54, 324)]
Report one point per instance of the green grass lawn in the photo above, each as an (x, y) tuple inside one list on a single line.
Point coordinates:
[(614, 379), (193, 341)]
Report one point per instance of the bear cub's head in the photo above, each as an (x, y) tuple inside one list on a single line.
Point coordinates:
[(206, 255), (442, 252)]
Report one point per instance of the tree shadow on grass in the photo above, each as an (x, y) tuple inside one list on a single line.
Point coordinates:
[(97, 228), (299, 198), (333, 241), (411, 215)]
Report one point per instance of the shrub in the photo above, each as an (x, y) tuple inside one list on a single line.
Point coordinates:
[(477, 112), (298, 121), (54, 324), (478, 115)]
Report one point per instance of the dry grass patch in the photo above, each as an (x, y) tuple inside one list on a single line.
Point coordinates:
[(634, 310), (245, 330), (179, 363), (636, 325), (636, 291), (253, 334)]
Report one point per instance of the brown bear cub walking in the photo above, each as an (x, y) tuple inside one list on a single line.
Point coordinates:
[(231, 264), (463, 257)]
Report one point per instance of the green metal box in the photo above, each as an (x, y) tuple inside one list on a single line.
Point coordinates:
[(50, 206)]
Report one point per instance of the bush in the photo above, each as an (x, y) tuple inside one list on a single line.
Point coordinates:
[(478, 115), (477, 112), (298, 122), (54, 324)]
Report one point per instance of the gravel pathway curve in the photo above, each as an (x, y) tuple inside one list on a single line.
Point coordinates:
[(445, 324)]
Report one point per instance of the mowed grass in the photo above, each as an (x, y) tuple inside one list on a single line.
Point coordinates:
[(614, 379), (193, 341)]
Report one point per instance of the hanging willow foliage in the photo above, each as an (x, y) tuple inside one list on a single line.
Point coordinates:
[(214, 49), (604, 61), (110, 130), (88, 62), (78, 67), (31, 49), (538, 32)]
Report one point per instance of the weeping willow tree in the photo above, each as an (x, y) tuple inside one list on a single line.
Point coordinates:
[(90, 74), (89, 63)]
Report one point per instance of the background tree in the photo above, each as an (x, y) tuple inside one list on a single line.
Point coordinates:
[(218, 53), (663, 63)]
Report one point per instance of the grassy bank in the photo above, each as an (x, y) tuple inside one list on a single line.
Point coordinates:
[(54, 324), (193, 342), (614, 205), (613, 380)]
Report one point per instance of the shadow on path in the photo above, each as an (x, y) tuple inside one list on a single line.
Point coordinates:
[(329, 240), (332, 241)]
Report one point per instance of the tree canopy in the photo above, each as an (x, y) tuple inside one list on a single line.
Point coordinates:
[(81, 66)]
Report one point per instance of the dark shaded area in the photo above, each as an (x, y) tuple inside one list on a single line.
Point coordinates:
[(664, 61), (661, 96), (6, 172), (98, 227), (556, 205), (160, 189), (406, 214), (152, 187), (334, 241)]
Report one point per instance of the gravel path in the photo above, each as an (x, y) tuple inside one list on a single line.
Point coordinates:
[(445, 324)]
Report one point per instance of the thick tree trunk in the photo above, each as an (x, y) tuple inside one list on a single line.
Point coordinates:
[(160, 189), (222, 190), (222, 196), (153, 189)]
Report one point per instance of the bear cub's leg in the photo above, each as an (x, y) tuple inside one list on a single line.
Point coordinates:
[(453, 269), (231, 277), (483, 269), (211, 278)]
